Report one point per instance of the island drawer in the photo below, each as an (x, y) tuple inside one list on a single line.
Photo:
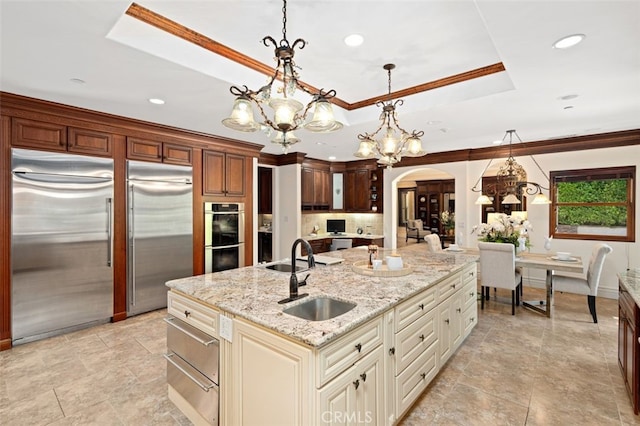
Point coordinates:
[(469, 317), (341, 354), (414, 339), (415, 379), (193, 313), (448, 287), (411, 310), (469, 294), (469, 274)]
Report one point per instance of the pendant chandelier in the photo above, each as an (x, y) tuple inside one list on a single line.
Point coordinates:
[(288, 113), (395, 141), (511, 181)]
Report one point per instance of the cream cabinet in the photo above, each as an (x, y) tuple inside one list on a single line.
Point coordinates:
[(371, 375), (357, 395)]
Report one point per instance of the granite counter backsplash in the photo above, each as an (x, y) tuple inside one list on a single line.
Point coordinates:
[(253, 292)]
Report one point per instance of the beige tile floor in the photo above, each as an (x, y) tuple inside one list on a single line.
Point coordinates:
[(512, 370)]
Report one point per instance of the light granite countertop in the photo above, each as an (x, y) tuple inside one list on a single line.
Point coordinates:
[(253, 292), (630, 280)]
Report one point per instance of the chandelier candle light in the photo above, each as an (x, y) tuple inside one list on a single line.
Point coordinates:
[(512, 181), (391, 147), (289, 113)]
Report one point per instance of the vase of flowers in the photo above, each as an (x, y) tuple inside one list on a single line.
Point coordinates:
[(448, 220), (505, 229)]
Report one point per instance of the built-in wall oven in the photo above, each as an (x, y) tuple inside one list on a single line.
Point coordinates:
[(224, 236), (192, 367)]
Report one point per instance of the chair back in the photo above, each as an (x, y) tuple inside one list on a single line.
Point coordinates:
[(341, 244), (414, 224), (433, 243), (599, 252), (498, 265)]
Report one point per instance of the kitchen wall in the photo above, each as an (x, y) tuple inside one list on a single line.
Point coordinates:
[(353, 221)]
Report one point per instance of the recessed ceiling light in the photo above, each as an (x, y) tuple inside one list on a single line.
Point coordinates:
[(77, 80), (569, 107), (497, 142), (156, 101), (568, 41), (320, 143), (433, 122), (353, 40), (332, 157), (567, 97)]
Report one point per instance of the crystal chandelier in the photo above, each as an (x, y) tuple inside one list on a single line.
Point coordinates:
[(511, 181), (391, 147), (288, 113)]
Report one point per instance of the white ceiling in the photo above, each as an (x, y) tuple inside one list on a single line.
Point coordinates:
[(46, 44)]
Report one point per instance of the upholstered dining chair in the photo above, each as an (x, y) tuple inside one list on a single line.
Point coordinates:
[(415, 230), (434, 244), (589, 284), (498, 265)]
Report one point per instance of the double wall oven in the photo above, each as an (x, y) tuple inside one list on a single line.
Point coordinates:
[(224, 236)]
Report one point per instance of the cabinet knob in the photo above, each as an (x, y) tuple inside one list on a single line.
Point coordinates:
[(423, 375), (453, 286), (363, 376), (421, 337), (459, 310), (187, 313), (392, 351), (356, 383), (421, 306), (447, 320), (472, 294), (359, 347), (471, 319)]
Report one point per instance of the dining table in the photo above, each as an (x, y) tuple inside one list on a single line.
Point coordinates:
[(550, 262)]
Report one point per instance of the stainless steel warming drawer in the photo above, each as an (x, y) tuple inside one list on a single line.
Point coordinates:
[(192, 367)]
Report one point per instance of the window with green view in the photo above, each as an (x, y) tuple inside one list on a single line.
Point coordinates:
[(593, 204)]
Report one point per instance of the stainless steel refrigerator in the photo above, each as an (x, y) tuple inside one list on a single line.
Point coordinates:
[(160, 226), (61, 243)]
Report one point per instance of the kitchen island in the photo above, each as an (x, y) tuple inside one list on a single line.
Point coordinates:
[(366, 365)]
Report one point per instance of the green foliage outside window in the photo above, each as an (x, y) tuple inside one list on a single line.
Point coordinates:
[(612, 191)]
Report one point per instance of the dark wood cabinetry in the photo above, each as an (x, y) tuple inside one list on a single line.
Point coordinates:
[(265, 190), (363, 190), (628, 344), (434, 197), (159, 152), (224, 174), (316, 189), (56, 137), (321, 245)]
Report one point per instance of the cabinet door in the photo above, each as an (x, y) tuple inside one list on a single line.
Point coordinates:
[(83, 141), (235, 175), (265, 190), (357, 395), (321, 188), (361, 188), (145, 150), (177, 154), (444, 334), (307, 186), (39, 135), (270, 378), (213, 173)]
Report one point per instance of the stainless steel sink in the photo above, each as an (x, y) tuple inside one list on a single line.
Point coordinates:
[(320, 309), (283, 267)]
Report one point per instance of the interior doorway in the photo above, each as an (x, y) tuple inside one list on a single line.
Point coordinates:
[(406, 205)]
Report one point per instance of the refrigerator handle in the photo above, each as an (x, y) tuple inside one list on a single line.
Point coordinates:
[(132, 251), (109, 232)]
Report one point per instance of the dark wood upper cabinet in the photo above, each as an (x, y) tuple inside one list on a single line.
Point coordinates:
[(315, 188), (265, 190), (356, 190), (159, 152), (56, 137), (223, 174)]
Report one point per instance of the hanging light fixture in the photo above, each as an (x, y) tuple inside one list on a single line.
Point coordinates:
[(511, 181), (395, 141), (288, 113)]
